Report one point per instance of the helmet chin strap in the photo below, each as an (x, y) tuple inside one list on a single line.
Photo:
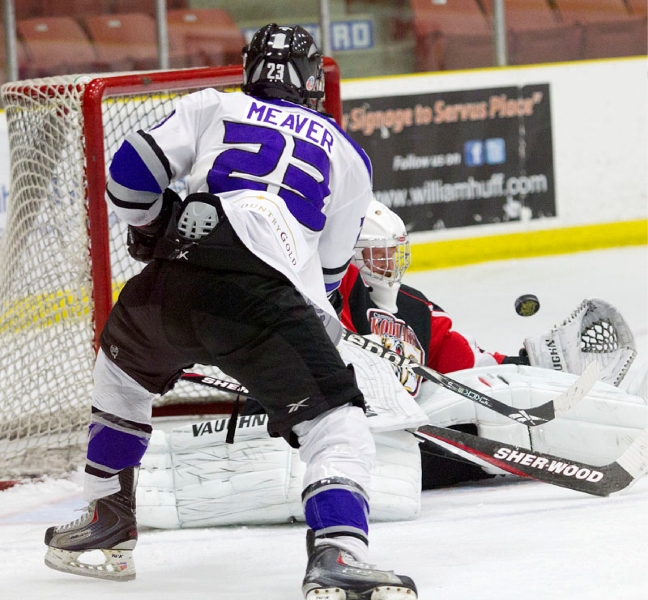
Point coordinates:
[(383, 293)]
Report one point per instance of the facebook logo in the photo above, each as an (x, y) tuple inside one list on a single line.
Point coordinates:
[(489, 152), (495, 151), (474, 153)]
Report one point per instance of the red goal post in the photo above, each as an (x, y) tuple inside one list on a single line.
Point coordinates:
[(63, 257)]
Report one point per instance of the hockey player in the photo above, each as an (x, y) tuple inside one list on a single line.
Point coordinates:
[(376, 303), (239, 279)]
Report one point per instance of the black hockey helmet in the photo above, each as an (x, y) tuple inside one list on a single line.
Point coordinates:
[(283, 62)]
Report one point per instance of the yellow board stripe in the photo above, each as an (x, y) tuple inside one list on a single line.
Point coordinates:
[(454, 253), (48, 308), (43, 310)]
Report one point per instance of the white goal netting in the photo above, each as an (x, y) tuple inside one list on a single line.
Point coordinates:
[(53, 265), (46, 329), (63, 258)]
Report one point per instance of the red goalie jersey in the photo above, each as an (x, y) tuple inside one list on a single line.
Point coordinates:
[(418, 327)]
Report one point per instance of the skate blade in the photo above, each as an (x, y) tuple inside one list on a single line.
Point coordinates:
[(326, 594), (389, 592), (118, 565)]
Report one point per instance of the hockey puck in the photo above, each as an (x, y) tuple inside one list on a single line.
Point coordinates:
[(527, 305)]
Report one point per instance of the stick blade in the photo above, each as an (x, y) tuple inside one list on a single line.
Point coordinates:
[(555, 470)]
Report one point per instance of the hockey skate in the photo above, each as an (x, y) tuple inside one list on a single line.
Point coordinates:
[(107, 526), (333, 574)]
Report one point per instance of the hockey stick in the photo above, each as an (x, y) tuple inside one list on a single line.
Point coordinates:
[(528, 416), (597, 481), (213, 382)]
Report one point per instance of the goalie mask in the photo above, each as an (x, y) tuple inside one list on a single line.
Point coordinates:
[(283, 63), (382, 254)]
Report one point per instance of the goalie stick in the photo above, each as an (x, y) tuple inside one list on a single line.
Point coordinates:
[(528, 416), (597, 481)]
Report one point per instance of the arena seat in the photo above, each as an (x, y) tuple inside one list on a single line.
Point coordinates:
[(145, 6), (28, 9), (608, 28), (535, 35), (128, 41), (639, 11), (209, 32), (637, 7), (57, 45), (76, 9), (453, 35)]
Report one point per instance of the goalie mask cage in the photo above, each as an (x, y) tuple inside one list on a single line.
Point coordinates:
[(63, 258)]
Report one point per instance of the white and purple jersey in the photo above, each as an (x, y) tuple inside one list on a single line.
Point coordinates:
[(294, 186)]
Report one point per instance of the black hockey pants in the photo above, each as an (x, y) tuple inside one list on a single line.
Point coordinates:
[(253, 325)]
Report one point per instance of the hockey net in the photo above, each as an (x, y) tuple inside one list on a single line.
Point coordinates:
[(63, 257)]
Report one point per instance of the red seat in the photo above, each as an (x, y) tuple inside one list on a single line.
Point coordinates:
[(128, 41), (27, 9), (76, 9), (209, 32), (535, 35), (144, 6), (639, 12), (592, 11), (57, 45), (638, 8), (608, 28), (453, 35)]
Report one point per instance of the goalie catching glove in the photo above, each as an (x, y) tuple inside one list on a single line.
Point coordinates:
[(141, 240), (595, 332)]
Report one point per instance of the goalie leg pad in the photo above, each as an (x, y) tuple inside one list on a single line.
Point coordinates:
[(192, 478)]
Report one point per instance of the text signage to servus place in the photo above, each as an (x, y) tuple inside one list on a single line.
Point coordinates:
[(454, 159)]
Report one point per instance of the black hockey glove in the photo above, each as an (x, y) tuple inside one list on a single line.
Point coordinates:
[(141, 241)]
